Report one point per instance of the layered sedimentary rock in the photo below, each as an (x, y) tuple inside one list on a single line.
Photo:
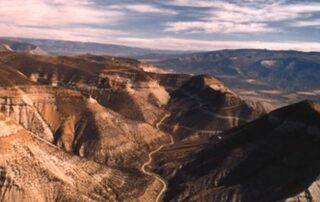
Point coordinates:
[(116, 83), (33, 169), (80, 125)]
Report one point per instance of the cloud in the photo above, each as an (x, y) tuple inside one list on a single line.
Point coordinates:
[(191, 3), (57, 19), (217, 3), (146, 8), (307, 23), (170, 43), (54, 13), (253, 16), (108, 21), (83, 34), (218, 27)]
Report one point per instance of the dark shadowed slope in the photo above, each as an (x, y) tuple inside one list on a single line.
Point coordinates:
[(271, 159), (203, 106)]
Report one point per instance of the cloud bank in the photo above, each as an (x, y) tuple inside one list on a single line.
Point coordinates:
[(225, 17), (174, 24)]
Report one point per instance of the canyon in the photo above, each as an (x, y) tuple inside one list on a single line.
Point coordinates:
[(105, 110), (105, 128)]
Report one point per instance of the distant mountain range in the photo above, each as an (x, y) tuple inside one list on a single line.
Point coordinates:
[(287, 76), (58, 47), (19, 46)]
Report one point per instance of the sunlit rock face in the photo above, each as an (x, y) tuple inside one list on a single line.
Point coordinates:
[(32, 168)]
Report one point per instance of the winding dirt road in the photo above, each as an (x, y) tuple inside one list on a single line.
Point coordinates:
[(144, 166)]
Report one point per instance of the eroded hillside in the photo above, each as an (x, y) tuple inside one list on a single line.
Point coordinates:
[(32, 168), (274, 158)]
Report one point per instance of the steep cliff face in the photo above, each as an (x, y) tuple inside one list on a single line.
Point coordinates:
[(80, 125), (274, 158), (170, 81), (31, 168), (143, 102), (17, 105), (206, 99)]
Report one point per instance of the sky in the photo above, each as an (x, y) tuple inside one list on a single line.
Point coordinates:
[(168, 24)]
